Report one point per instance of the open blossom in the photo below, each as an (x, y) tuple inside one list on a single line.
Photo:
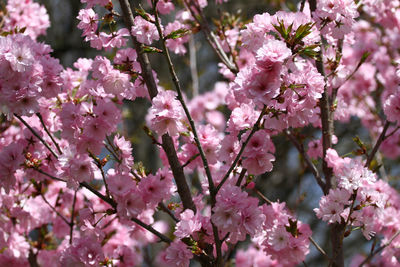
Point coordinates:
[(354, 174), (120, 184), (10, 158), (165, 6), (28, 14), (88, 21), (262, 83), (253, 256), (286, 239), (76, 167), (178, 254), (237, 213), (273, 51), (155, 188), (332, 206), (188, 224), (115, 39), (340, 16), (166, 114), (392, 108), (258, 153), (85, 250), (144, 31), (27, 73)]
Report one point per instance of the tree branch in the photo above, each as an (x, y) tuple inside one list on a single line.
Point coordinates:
[(153, 91), (255, 128), (307, 159), (378, 143), (177, 170), (37, 135), (370, 256), (48, 132)]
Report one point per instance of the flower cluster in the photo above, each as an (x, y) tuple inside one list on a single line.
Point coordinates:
[(28, 74), (354, 201), (284, 238), (27, 16)]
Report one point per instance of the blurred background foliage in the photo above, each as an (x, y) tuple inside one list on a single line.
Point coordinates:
[(289, 181)]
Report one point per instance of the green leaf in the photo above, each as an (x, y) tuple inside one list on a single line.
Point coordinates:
[(177, 34), (141, 12), (302, 31), (151, 49), (292, 228), (362, 146)]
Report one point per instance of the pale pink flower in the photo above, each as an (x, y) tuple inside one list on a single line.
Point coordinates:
[(178, 254), (28, 14), (188, 224), (144, 31), (392, 108), (166, 114), (88, 21)]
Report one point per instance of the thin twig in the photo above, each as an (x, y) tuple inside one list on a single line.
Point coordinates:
[(152, 230), (319, 248), (71, 224), (190, 160), (48, 175), (36, 134), (48, 132), (164, 208), (100, 166), (54, 209), (370, 256), (177, 85), (392, 132), (193, 66), (266, 200), (241, 176), (209, 35), (98, 194), (303, 2), (255, 128), (377, 145), (307, 159)]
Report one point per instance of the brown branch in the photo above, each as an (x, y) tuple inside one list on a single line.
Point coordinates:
[(177, 170), (319, 248), (71, 224), (210, 37), (48, 175), (378, 143), (307, 159), (241, 176), (255, 128), (370, 256), (36, 134), (177, 85), (162, 207), (152, 230), (48, 132), (54, 209), (147, 72), (261, 195), (148, 77)]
